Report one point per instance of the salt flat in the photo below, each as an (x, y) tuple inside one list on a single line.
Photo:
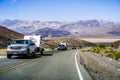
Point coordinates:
[(100, 40)]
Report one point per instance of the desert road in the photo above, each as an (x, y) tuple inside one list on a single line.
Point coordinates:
[(62, 65)]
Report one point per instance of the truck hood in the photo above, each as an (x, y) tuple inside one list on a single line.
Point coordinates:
[(19, 45)]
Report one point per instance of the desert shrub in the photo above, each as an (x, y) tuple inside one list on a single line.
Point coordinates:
[(115, 46), (109, 53), (102, 46), (83, 50), (96, 49), (113, 54), (88, 50), (106, 51), (117, 55)]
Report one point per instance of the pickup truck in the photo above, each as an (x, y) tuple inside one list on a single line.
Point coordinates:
[(21, 47), (62, 46)]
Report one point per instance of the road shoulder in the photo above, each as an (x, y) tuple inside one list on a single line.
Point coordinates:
[(85, 74), (2, 56), (99, 67)]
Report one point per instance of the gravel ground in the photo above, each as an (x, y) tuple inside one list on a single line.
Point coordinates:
[(2, 56), (99, 67), (2, 52)]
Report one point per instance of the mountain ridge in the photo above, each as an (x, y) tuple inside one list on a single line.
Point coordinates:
[(84, 29)]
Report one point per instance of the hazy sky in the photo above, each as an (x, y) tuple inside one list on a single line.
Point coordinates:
[(60, 10)]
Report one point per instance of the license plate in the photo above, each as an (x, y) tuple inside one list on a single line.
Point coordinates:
[(15, 53)]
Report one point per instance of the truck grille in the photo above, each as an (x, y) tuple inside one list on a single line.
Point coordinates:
[(16, 47)]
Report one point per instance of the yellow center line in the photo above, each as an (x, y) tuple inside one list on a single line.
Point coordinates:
[(12, 67)]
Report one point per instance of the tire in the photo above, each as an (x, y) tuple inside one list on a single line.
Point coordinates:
[(28, 54), (25, 56), (41, 52), (37, 50), (34, 54), (9, 56)]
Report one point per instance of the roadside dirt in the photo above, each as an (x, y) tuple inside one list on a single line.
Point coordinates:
[(99, 67), (2, 52)]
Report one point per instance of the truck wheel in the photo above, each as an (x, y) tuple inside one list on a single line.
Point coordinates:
[(41, 52), (9, 56), (34, 55), (27, 55)]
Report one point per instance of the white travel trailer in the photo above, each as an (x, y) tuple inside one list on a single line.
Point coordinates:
[(38, 40)]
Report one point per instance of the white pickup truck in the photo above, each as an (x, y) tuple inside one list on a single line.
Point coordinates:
[(38, 40), (21, 47)]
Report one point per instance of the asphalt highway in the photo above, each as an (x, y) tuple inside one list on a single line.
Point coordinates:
[(53, 65)]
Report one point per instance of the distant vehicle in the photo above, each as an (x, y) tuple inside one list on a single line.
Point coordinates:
[(62, 46), (74, 47), (80, 47), (38, 40), (21, 47)]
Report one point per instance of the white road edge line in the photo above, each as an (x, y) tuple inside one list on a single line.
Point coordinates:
[(78, 70)]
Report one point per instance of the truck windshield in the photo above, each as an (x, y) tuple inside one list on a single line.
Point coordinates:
[(19, 42)]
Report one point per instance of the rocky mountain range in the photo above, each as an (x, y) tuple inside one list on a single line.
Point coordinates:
[(6, 35), (82, 29)]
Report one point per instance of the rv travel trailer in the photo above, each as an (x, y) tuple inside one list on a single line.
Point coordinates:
[(38, 40)]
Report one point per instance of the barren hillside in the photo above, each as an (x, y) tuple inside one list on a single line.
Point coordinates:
[(53, 43), (6, 35)]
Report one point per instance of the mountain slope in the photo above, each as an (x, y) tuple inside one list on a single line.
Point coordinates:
[(82, 29), (6, 35), (49, 32), (53, 43), (117, 43)]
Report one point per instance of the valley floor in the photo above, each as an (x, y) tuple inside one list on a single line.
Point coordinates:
[(95, 40)]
